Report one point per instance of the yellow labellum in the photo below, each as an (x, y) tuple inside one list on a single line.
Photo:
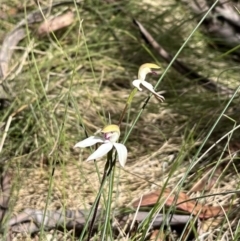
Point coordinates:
[(111, 128), (145, 69)]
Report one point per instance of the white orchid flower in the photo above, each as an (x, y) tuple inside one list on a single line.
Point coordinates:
[(142, 72), (111, 134)]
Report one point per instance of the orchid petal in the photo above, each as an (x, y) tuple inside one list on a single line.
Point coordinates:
[(122, 153), (101, 151), (147, 85), (159, 97), (137, 83), (150, 88), (90, 141)]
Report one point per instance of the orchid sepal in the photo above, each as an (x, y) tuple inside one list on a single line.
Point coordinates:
[(122, 153), (101, 151), (111, 134), (90, 141), (142, 72)]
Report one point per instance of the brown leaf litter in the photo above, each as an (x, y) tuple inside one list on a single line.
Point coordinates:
[(180, 201), (56, 23)]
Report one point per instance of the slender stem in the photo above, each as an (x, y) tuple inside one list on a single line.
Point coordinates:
[(91, 225), (123, 114), (107, 170), (129, 101), (110, 191)]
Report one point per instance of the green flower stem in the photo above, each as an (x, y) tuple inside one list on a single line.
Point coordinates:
[(136, 119), (168, 67), (110, 191), (129, 101), (93, 213)]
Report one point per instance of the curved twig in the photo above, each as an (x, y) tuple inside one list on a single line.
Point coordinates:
[(18, 33), (180, 67), (30, 220)]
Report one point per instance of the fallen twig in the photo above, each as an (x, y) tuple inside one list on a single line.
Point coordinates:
[(18, 33), (180, 67), (222, 24), (5, 194), (30, 220)]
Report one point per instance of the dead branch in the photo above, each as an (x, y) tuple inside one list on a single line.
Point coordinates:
[(223, 24), (182, 68), (31, 220), (18, 33), (5, 195)]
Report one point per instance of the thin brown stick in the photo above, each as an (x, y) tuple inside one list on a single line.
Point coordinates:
[(6, 181), (29, 220), (180, 67)]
